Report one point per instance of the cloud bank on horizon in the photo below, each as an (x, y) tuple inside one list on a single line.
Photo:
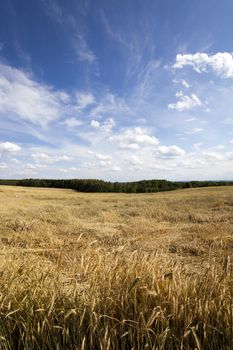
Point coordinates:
[(119, 90)]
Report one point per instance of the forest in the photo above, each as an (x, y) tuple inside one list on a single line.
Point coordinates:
[(95, 185)]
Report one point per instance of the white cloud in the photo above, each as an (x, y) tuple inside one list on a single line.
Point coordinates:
[(170, 151), (218, 147), (132, 146), (134, 160), (43, 158), (191, 120), (229, 155), (186, 102), (115, 168), (197, 145), (105, 163), (106, 126), (9, 147), (82, 50), (194, 131), (30, 166), (95, 124), (22, 97), (73, 168), (227, 121), (213, 156), (133, 137), (186, 84), (15, 160), (53, 10), (231, 141), (109, 104), (64, 171), (103, 156), (221, 63), (141, 120), (84, 99), (3, 166), (71, 122), (183, 82)]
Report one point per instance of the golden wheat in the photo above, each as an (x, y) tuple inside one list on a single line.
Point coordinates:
[(116, 271)]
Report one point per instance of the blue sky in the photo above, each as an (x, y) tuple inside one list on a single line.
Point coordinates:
[(118, 90)]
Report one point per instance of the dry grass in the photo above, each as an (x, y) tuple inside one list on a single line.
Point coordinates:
[(116, 271)]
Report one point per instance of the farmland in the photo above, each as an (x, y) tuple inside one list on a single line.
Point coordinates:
[(116, 271)]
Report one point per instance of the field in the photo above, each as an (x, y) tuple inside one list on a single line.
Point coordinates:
[(116, 271)]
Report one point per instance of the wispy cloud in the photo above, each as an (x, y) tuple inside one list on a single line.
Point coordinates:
[(54, 10), (82, 49), (43, 158), (22, 97), (84, 99), (71, 123), (73, 24), (113, 33), (194, 131)]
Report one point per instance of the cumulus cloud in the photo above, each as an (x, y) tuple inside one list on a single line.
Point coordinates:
[(132, 138), (186, 102), (106, 126), (170, 151), (95, 124), (221, 63), (9, 147)]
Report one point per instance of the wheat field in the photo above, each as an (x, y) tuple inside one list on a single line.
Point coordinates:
[(116, 271)]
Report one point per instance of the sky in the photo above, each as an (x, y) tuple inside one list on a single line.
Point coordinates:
[(119, 90)]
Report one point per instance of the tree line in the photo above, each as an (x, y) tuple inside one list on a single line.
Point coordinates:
[(94, 185)]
